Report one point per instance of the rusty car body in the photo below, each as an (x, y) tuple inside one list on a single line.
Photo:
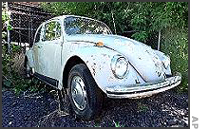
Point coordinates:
[(116, 66)]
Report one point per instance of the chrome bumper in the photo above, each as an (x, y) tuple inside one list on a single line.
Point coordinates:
[(144, 90)]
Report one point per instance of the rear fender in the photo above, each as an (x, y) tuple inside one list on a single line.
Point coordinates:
[(29, 54)]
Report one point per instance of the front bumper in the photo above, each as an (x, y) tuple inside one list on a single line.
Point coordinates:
[(144, 90)]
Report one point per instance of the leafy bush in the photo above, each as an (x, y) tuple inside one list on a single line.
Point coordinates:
[(13, 71), (175, 43)]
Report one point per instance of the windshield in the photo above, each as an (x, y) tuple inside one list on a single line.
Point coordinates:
[(79, 25)]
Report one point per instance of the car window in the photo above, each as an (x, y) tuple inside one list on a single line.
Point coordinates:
[(37, 37), (79, 25), (52, 31)]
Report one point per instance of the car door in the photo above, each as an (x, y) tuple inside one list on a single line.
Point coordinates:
[(36, 48), (49, 50)]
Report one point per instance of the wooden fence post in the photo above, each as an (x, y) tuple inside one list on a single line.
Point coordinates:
[(7, 27)]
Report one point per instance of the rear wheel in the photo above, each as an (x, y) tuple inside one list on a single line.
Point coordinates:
[(28, 71), (84, 95)]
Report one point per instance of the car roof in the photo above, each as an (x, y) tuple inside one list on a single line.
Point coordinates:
[(64, 16)]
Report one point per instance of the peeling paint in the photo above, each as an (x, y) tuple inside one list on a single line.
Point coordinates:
[(104, 54), (94, 72)]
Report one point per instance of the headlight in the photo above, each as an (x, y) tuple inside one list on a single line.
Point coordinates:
[(119, 66), (166, 61)]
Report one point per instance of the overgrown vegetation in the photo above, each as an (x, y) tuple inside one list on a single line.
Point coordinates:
[(142, 21), (175, 44), (13, 62), (13, 71)]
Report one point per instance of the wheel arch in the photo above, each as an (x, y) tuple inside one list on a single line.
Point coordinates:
[(97, 60), (68, 65)]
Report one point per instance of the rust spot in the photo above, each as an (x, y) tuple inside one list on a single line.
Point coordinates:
[(159, 74), (137, 81), (104, 54), (156, 57), (111, 79), (147, 51), (94, 72), (100, 67)]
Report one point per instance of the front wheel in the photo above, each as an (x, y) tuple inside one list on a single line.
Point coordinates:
[(84, 94)]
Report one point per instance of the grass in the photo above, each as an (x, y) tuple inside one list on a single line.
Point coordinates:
[(142, 107), (116, 124), (13, 70)]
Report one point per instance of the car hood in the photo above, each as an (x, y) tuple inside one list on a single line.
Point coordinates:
[(140, 56)]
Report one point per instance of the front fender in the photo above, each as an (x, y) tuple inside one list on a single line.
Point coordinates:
[(162, 57), (98, 61)]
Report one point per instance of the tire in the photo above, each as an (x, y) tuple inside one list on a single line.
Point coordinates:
[(84, 95), (64, 101), (27, 69)]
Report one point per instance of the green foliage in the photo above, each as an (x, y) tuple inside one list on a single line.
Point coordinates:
[(142, 17), (6, 19), (175, 44), (142, 107), (117, 124), (5, 60), (140, 36), (4, 16), (11, 78)]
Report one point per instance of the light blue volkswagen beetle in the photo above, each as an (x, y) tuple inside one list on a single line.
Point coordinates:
[(83, 59)]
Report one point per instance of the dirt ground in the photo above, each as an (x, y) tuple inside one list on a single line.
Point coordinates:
[(41, 109)]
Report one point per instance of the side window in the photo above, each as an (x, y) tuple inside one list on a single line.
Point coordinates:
[(52, 31), (37, 37), (58, 30)]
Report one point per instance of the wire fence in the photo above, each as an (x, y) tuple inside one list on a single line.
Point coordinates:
[(25, 19)]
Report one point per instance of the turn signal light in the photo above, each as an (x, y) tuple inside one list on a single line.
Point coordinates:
[(99, 44)]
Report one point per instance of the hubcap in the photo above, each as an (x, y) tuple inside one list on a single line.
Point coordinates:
[(78, 92)]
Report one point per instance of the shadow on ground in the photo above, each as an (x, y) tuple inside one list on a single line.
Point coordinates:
[(41, 109)]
